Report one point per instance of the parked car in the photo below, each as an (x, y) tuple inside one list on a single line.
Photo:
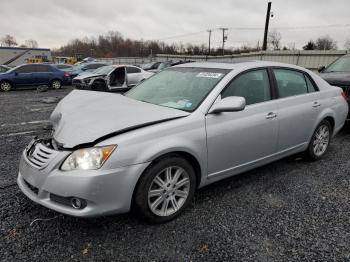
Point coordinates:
[(4, 68), (150, 66), (186, 127), (85, 68), (113, 77), (64, 67), (160, 66), (338, 74), (33, 75)]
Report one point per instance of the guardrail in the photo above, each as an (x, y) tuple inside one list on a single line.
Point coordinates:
[(309, 59)]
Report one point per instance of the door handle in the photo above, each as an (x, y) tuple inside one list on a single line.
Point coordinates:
[(271, 115), (316, 104)]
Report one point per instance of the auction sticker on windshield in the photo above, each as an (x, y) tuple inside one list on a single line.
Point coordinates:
[(209, 74)]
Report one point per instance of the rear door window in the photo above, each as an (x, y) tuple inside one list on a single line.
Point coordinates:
[(290, 83), (132, 70), (43, 69)]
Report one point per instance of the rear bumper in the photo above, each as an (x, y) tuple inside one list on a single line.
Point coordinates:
[(104, 191)]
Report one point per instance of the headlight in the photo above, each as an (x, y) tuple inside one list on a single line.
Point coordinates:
[(87, 158)]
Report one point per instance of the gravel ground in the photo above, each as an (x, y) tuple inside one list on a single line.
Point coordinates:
[(291, 210)]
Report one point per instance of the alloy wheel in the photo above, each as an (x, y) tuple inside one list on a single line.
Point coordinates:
[(56, 84), (168, 191), (321, 140), (5, 86)]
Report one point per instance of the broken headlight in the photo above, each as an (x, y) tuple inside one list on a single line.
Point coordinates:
[(87, 81), (87, 158)]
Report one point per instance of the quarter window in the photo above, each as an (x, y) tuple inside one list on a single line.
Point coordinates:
[(254, 86), (310, 85), (290, 83)]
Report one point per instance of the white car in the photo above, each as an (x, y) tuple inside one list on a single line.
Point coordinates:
[(112, 77)]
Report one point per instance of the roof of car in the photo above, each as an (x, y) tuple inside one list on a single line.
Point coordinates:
[(239, 65)]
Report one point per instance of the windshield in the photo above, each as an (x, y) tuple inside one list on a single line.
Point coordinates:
[(104, 70), (180, 88), (340, 65)]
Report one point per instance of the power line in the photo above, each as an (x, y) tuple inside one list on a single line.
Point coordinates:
[(253, 29), (180, 36)]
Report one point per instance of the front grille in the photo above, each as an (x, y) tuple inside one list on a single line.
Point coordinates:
[(34, 189), (76, 81), (39, 155)]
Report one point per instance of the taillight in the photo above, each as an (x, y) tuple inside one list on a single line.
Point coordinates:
[(344, 95), (66, 74)]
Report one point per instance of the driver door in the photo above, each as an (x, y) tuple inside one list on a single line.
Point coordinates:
[(237, 141), (24, 76)]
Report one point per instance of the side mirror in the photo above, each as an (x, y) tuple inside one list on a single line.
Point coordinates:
[(321, 68), (228, 104)]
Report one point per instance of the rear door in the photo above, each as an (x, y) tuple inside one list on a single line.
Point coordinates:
[(134, 75), (24, 75), (43, 74), (299, 105), (238, 140)]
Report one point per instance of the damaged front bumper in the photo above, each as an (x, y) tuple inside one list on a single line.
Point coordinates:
[(80, 84), (100, 192)]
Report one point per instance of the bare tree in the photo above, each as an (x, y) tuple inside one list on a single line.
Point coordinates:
[(347, 44), (326, 43), (274, 40), (31, 43), (8, 40)]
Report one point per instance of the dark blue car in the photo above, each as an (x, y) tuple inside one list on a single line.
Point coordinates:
[(34, 75)]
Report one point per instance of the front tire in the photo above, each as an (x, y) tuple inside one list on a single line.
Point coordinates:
[(5, 86), (320, 141), (56, 84), (99, 86), (165, 190)]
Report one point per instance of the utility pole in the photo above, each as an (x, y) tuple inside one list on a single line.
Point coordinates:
[(209, 31), (267, 25), (224, 38)]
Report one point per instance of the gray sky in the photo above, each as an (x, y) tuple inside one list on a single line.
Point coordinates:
[(54, 22)]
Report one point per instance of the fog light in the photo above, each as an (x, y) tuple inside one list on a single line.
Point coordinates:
[(76, 203)]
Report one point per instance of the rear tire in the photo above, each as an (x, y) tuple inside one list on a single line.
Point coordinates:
[(164, 190), (320, 141), (56, 84), (5, 86)]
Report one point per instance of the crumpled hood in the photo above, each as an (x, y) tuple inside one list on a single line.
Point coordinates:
[(84, 75), (337, 78), (86, 116)]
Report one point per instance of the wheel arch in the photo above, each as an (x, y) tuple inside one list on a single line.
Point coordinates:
[(7, 80), (193, 161), (54, 79)]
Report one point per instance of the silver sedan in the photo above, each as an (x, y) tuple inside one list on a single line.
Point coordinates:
[(182, 129)]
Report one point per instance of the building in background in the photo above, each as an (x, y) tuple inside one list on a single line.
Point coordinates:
[(13, 56)]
